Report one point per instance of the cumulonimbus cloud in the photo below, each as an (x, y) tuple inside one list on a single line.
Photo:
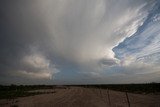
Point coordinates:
[(85, 32), (68, 35)]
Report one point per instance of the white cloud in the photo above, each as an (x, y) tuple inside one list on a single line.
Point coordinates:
[(38, 66), (140, 53)]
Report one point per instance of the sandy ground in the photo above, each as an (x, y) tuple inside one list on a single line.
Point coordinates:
[(83, 97)]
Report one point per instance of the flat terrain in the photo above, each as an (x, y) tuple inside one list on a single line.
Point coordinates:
[(83, 97)]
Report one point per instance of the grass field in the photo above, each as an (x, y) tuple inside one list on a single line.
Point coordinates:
[(133, 88), (14, 91)]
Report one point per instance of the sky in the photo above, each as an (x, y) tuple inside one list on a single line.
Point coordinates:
[(79, 41)]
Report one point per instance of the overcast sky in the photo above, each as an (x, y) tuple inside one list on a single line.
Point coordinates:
[(79, 41)]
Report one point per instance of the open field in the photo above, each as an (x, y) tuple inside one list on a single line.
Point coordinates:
[(75, 96)]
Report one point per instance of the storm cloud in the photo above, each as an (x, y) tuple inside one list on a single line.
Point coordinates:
[(86, 41)]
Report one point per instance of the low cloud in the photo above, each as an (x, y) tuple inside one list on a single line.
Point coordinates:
[(37, 66)]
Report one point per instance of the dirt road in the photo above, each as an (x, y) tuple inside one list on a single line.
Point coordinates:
[(84, 97)]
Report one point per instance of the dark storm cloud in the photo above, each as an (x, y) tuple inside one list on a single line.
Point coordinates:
[(21, 35)]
